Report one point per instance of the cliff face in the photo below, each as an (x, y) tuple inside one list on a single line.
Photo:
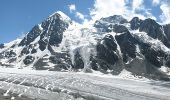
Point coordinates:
[(111, 45)]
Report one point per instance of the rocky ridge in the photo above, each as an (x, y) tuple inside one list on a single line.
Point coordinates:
[(111, 45)]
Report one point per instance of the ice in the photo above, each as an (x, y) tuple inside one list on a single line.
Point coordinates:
[(40, 27), (165, 70), (78, 39), (12, 98), (155, 43), (62, 85), (137, 49)]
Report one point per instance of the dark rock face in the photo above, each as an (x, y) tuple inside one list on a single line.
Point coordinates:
[(93, 63), (109, 42), (1, 46), (10, 54), (39, 65), (31, 36), (127, 45), (27, 49), (167, 59), (106, 50), (33, 51), (112, 28), (154, 30), (144, 68), (117, 19), (107, 56), (119, 29), (62, 61), (154, 57), (28, 60), (58, 58), (11, 60), (53, 31), (111, 23), (102, 26), (151, 27), (50, 32), (78, 61), (59, 67), (167, 30), (135, 23), (42, 44)]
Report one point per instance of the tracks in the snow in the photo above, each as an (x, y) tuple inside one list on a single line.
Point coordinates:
[(76, 87)]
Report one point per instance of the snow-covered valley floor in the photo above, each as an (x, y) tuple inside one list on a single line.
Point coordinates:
[(45, 85)]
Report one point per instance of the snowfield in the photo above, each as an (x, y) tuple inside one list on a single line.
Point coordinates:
[(48, 85)]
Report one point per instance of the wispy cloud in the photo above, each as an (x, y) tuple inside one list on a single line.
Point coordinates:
[(137, 5), (72, 7), (77, 14), (105, 8), (155, 2), (126, 8), (140, 10), (165, 17), (80, 15)]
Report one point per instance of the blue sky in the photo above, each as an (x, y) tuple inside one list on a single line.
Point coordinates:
[(18, 16)]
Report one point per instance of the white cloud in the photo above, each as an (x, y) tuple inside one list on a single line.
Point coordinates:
[(165, 17), (126, 8), (80, 15), (77, 14), (149, 15), (104, 8), (72, 7), (137, 4), (155, 2)]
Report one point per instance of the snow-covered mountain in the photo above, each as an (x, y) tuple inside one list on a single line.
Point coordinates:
[(111, 45)]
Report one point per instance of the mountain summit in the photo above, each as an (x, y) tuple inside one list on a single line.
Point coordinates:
[(112, 45)]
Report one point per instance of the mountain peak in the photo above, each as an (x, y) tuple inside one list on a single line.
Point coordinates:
[(61, 15), (115, 19)]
